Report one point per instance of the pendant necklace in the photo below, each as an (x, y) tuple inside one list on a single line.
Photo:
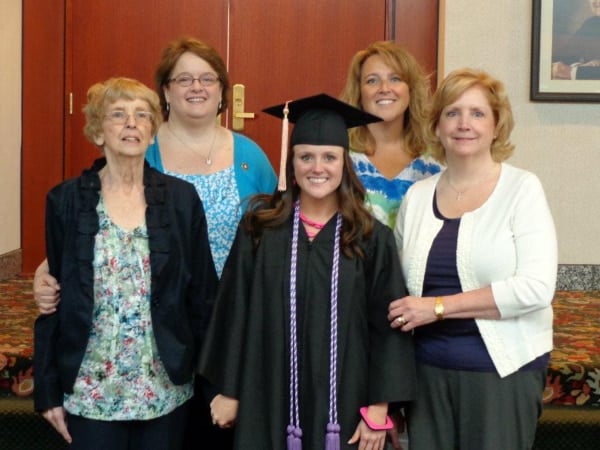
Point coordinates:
[(207, 158), (459, 194)]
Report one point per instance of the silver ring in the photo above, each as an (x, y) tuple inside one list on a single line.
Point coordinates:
[(401, 320)]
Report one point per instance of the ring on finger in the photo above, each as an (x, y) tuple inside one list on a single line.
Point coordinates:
[(401, 320)]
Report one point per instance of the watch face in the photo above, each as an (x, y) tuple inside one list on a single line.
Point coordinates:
[(438, 309)]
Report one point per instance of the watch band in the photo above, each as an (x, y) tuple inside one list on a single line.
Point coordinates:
[(438, 309)]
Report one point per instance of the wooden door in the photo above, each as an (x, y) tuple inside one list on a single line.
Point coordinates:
[(298, 48), (279, 49), (115, 38)]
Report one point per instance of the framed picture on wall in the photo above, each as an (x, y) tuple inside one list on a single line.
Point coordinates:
[(565, 51)]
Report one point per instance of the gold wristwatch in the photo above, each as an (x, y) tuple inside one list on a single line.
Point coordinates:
[(438, 309)]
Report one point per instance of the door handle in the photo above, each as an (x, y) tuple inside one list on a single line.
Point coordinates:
[(237, 121)]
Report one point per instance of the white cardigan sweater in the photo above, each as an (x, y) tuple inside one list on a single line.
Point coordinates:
[(508, 243)]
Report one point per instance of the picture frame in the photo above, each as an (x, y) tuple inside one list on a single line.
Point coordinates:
[(562, 48)]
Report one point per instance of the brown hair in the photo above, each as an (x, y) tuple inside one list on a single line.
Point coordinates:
[(405, 64), (101, 95), (171, 55), (453, 86)]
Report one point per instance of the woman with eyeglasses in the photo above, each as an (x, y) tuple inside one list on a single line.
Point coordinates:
[(226, 168), (114, 363)]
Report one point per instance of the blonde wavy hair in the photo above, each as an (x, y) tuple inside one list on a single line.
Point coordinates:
[(406, 66)]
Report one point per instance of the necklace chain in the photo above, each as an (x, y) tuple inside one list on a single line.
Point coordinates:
[(459, 194), (207, 158)]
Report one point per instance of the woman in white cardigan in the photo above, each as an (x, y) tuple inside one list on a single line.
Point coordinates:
[(479, 255)]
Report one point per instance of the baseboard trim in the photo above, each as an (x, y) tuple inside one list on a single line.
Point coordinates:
[(10, 264)]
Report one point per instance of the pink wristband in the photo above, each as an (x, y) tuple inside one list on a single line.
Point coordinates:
[(375, 426)]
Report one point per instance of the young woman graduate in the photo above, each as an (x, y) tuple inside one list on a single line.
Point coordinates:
[(299, 341)]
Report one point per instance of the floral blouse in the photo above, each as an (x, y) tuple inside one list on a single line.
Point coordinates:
[(121, 376)]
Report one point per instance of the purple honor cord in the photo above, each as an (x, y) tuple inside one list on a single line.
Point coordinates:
[(294, 432)]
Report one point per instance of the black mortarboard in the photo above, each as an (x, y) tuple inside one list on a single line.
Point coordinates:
[(319, 120)]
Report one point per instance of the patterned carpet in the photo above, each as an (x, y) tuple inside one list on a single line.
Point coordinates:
[(574, 372), (17, 315), (573, 376)]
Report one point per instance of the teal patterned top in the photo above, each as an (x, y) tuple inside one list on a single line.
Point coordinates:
[(221, 200), (385, 195), (121, 376)]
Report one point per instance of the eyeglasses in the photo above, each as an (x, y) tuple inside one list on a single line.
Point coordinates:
[(186, 80), (121, 117)]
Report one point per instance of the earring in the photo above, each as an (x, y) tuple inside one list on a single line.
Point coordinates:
[(220, 104), (168, 107)]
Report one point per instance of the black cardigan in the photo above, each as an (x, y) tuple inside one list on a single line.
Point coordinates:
[(183, 278)]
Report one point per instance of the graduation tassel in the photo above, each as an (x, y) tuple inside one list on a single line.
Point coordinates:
[(282, 185), (294, 439), (332, 438)]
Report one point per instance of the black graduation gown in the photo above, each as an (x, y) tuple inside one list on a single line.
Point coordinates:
[(246, 351)]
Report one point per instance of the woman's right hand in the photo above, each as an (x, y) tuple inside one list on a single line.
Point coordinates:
[(46, 290), (223, 410), (57, 418)]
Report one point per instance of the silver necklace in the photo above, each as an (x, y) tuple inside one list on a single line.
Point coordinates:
[(207, 158), (459, 194)]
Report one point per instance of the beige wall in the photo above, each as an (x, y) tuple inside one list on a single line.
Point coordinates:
[(10, 126), (559, 142)]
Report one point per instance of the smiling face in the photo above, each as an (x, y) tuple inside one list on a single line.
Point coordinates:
[(130, 138), (466, 127), (318, 170), (382, 91), (196, 100)]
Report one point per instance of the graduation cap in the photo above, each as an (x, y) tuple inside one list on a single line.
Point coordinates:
[(319, 120)]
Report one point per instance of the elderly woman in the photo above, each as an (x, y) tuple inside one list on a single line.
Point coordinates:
[(478, 251), (114, 364)]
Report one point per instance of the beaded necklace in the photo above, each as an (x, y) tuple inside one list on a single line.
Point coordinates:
[(294, 432)]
